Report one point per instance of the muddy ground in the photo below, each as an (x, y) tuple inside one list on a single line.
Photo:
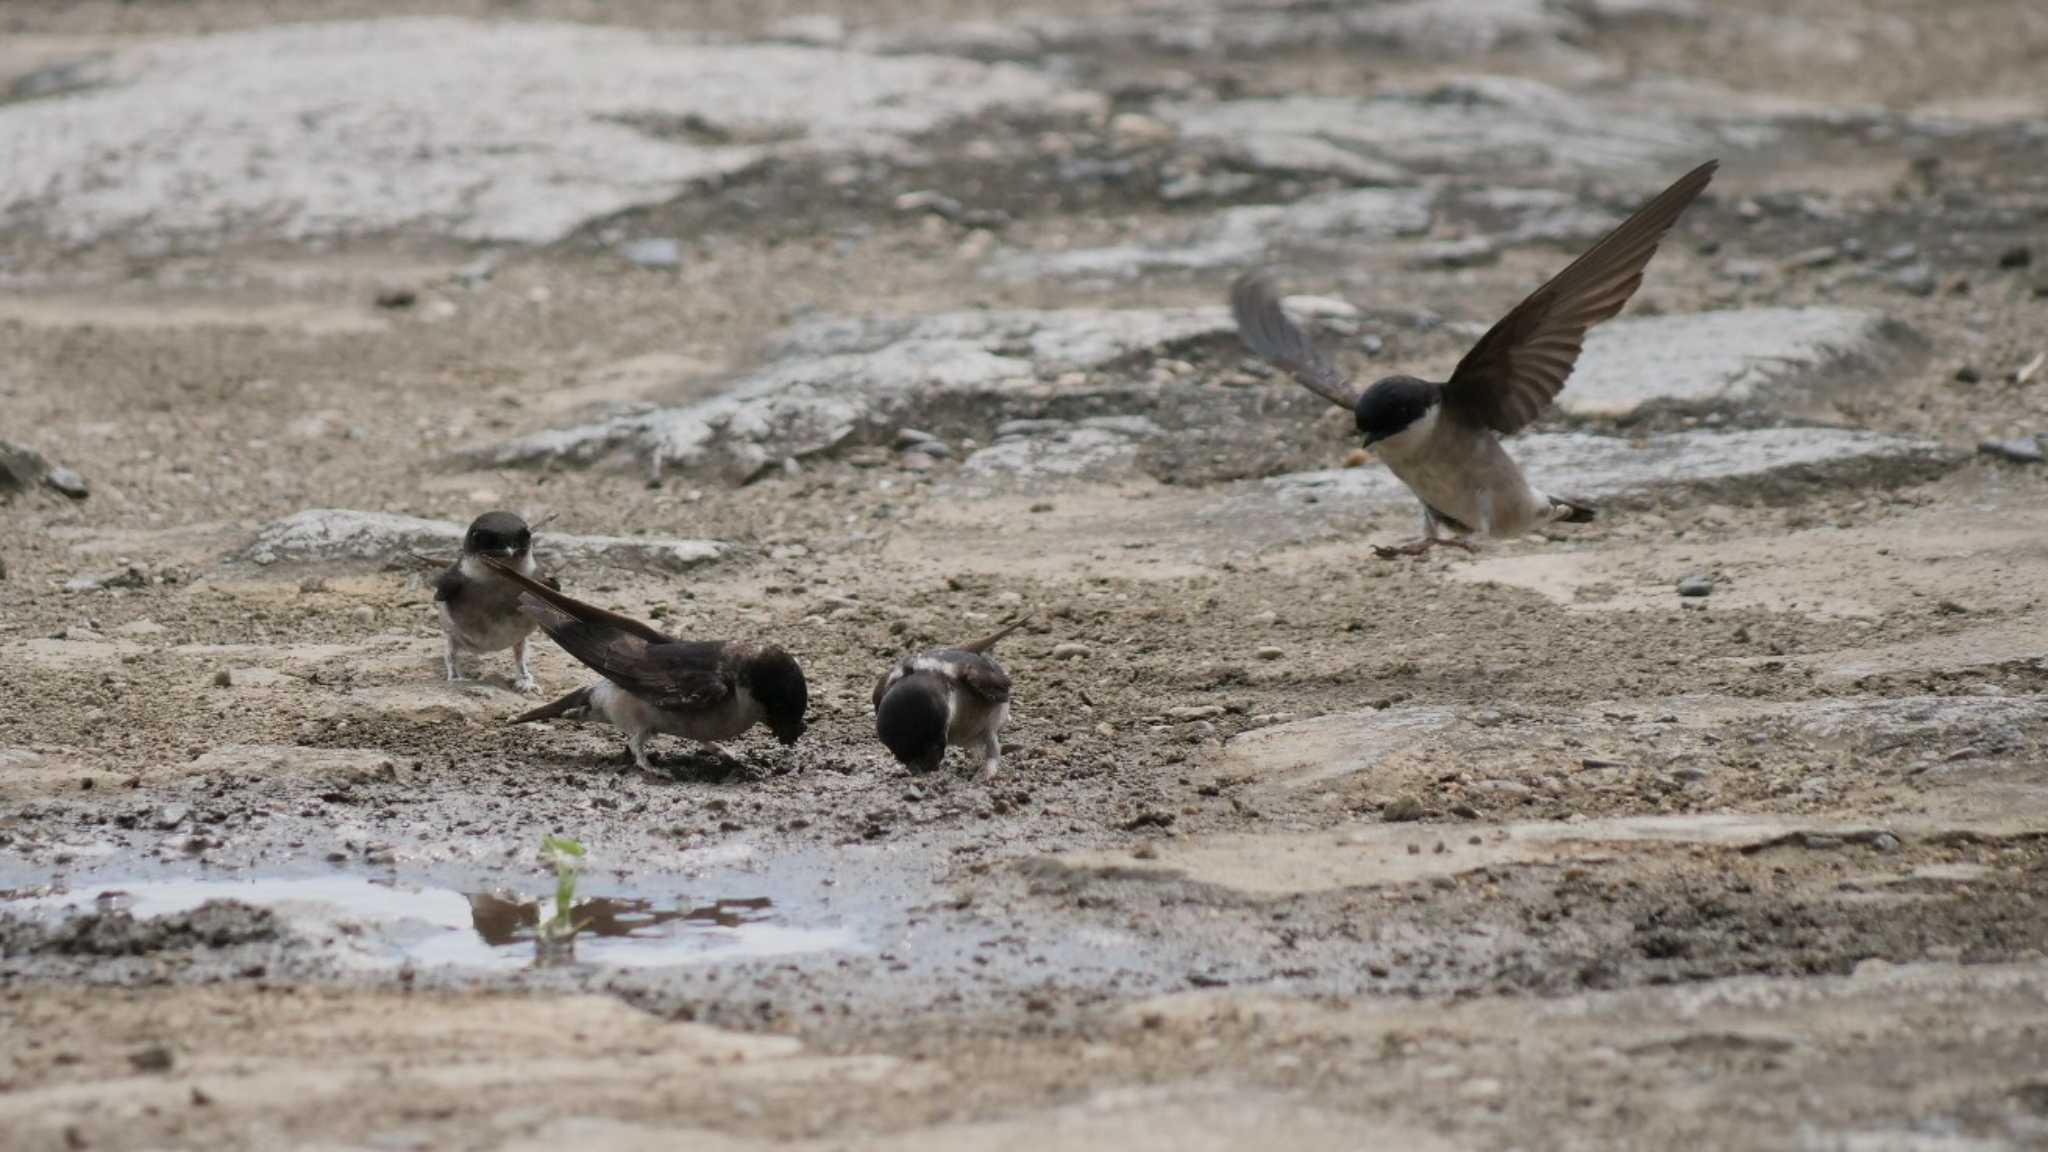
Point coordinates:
[(1521, 850)]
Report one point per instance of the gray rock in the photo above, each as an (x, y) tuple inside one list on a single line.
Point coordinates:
[(1696, 585), (1195, 712), (1885, 842), (1072, 650), (1467, 253), (1477, 124), (1723, 360), (1917, 279), (513, 130), (1057, 448), (328, 535), (1898, 254), (171, 815), (906, 437), (1237, 236), (68, 483), (653, 252), (21, 468), (1593, 466), (2018, 450), (1270, 652), (832, 382), (1402, 810)]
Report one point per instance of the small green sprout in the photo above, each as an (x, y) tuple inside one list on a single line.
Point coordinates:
[(558, 929)]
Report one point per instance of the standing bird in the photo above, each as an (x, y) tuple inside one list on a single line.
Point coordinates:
[(947, 697), (479, 609), (1443, 440), (704, 690)]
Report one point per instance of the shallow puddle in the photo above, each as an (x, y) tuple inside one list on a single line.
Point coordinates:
[(385, 922)]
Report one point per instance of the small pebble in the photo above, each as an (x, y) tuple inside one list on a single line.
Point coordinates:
[(1402, 810), (1885, 842), (313, 584), (2018, 450), (152, 1058), (1071, 650), (171, 815), (1917, 279), (1270, 652), (395, 298), (69, 483), (1191, 712), (1968, 375), (2018, 256), (653, 252), (1696, 585), (363, 615)]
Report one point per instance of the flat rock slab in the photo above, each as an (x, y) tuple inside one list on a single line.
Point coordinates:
[(1305, 753), (1727, 360), (1239, 236), (835, 381), (1589, 465), (479, 130), (1378, 855), (1494, 124), (329, 535)]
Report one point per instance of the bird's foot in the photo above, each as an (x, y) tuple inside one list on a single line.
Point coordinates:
[(1422, 547), (455, 676), (526, 684)]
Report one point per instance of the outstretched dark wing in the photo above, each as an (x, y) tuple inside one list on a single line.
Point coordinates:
[(1266, 330), (1521, 364), (667, 673)]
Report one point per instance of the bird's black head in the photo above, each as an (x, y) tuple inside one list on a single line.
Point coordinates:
[(911, 720), (1392, 404), (777, 683), (497, 534)]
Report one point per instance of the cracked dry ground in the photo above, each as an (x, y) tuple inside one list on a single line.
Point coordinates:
[(1520, 851)]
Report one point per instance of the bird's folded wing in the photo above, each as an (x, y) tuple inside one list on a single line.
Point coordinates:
[(669, 674), (976, 673)]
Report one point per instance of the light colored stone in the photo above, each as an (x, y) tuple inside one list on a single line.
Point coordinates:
[(1308, 753), (1239, 236), (1583, 464), (339, 534), (1474, 124), (1725, 360), (832, 381), (483, 130)]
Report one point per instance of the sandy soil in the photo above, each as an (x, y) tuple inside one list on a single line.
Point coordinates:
[(1515, 851)]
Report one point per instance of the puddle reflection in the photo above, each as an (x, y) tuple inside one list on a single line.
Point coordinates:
[(388, 923)]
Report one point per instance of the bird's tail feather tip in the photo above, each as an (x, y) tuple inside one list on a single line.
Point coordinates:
[(572, 705)]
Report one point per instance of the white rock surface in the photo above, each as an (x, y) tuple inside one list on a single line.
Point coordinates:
[(1238, 236), (500, 130), (339, 534), (1068, 449), (1717, 359), (1583, 464), (1474, 124), (832, 378)]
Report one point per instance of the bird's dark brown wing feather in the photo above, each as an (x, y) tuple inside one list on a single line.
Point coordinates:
[(977, 673), (548, 594), (1521, 364), (1266, 330), (667, 673)]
